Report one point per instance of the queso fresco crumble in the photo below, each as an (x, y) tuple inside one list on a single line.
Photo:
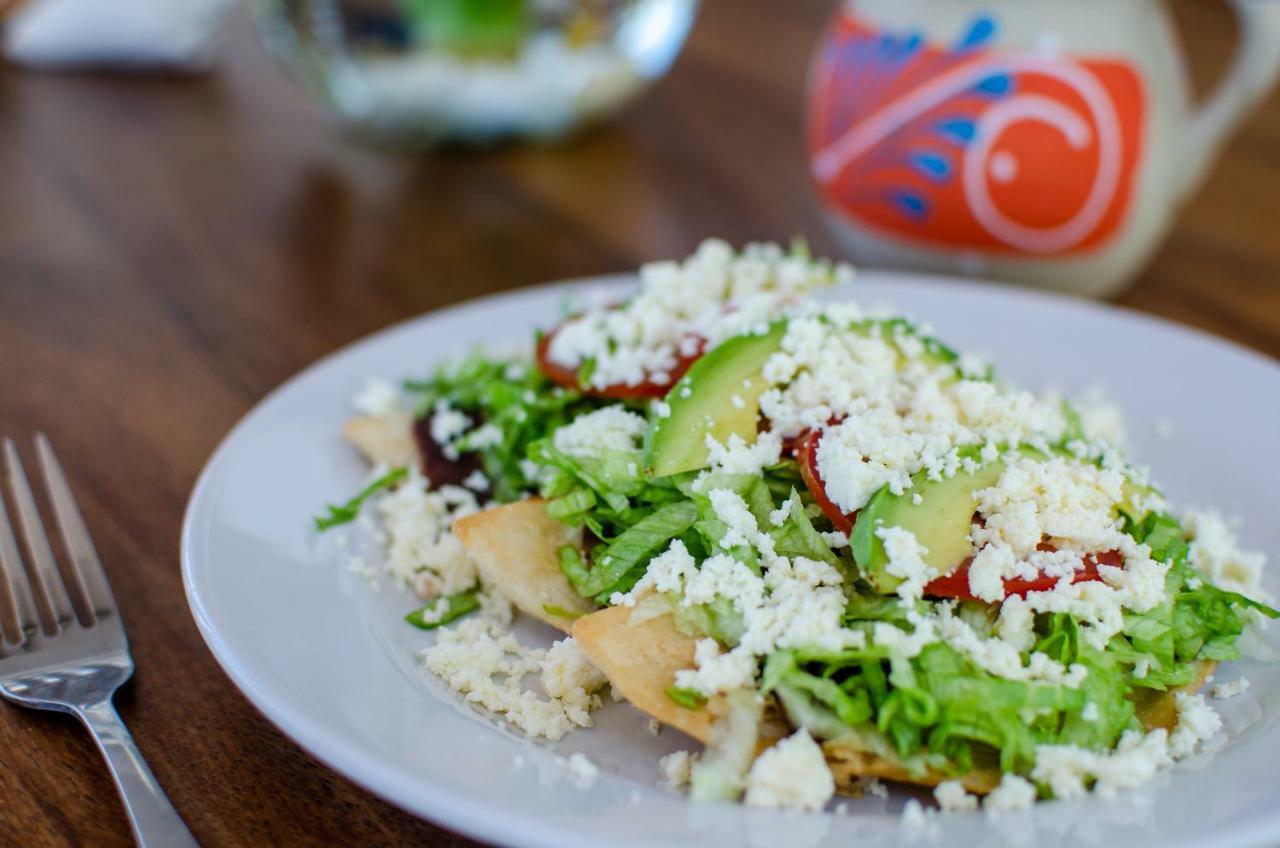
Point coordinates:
[(856, 539)]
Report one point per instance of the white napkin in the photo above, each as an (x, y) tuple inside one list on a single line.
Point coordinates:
[(178, 34)]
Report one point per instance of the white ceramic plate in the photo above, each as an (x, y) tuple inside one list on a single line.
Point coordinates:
[(330, 662)]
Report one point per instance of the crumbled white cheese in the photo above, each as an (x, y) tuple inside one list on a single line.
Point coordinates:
[(1069, 502), (677, 768), (1065, 769), (835, 539), (447, 424), (905, 561), (1197, 723), (988, 570), (485, 436), (873, 786), (1217, 553), (610, 428), (581, 770), (1231, 688), (356, 565), (1101, 418), (899, 412), (484, 661), (779, 516), (737, 457), (476, 481), (795, 602), (952, 797), (421, 548), (377, 397), (567, 673), (918, 822), (709, 297), (791, 775), (1014, 793)]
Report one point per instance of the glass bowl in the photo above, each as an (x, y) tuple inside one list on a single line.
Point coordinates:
[(420, 72)]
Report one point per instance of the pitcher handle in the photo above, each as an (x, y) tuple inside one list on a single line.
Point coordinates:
[(1253, 72)]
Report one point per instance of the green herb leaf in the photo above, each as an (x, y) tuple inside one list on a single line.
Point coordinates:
[(347, 512), (560, 612), (690, 699), (444, 610)]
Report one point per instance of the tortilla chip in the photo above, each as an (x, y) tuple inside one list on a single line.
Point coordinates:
[(1160, 709), (384, 439), (641, 662), (516, 547), (854, 757)]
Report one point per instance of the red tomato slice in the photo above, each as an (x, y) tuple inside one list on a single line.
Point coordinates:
[(650, 388), (956, 584), (806, 451)]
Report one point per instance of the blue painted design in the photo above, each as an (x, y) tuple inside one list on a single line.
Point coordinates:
[(932, 165), (919, 153), (981, 31), (910, 204), (912, 46), (996, 84), (957, 130)]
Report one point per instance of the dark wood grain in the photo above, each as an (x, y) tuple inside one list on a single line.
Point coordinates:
[(171, 249)]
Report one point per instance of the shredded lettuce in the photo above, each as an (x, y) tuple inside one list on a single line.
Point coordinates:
[(617, 566), (511, 395), (721, 773)]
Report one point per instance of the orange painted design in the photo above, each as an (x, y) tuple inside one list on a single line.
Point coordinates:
[(986, 149)]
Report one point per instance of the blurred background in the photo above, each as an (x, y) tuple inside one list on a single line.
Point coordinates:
[(198, 205)]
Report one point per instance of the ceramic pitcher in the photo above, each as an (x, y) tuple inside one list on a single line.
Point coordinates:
[(1038, 141)]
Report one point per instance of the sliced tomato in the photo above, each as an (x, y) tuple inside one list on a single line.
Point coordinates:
[(806, 452), (650, 388), (956, 584)]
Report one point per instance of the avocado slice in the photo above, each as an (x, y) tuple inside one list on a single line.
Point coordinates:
[(720, 396), (940, 522)]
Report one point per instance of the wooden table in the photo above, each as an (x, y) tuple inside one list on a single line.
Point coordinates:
[(171, 249)]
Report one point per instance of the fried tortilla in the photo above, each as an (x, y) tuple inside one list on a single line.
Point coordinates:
[(641, 662), (1160, 709), (384, 439), (516, 548)]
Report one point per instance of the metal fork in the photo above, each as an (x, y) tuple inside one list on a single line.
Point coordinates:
[(52, 658)]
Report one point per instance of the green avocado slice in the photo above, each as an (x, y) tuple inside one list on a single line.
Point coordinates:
[(719, 396), (940, 522)]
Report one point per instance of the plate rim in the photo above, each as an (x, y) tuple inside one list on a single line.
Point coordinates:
[(446, 806)]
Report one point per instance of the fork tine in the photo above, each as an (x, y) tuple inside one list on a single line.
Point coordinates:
[(22, 603), (84, 557), (44, 575)]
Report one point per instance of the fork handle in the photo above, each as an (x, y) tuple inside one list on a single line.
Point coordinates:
[(154, 821)]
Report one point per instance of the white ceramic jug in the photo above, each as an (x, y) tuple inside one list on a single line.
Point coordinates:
[(1037, 141)]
